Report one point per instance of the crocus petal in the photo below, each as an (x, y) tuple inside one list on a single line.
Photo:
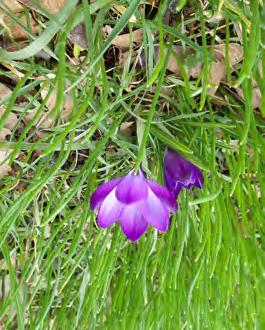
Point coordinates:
[(109, 210), (163, 194), (179, 172), (177, 167), (199, 180), (132, 221), (102, 191), (155, 212), (173, 185), (133, 188)]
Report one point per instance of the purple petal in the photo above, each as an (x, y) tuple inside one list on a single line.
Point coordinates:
[(179, 172), (133, 188), (163, 194), (109, 211), (173, 185), (102, 191), (132, 221), (156, 214), (199, 179)]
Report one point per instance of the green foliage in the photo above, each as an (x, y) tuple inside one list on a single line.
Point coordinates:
[(58, 270)]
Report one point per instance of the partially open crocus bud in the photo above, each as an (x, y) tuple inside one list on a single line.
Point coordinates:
[(179, 172), (135, 202)]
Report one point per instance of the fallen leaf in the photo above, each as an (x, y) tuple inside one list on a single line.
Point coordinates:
[(195, 70), (46, 120), (4, 91), (51, 6), (11, 121), (126, 128), (124, 57), (14, 46), (51, 102), (218, 71), (78, 35), (235, 53), (256, 98), (123, 41), (13, 20), (12, 5), (4, 132), (4, 167), (218, 68), (14, 30), (177, 52), (235, 57)]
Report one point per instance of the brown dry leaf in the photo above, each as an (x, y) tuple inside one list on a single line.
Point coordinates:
[(218, 71), (177, 51), (14, 75), (218, 68), (235, 57), (124, 57), (11, 120), (4, 91), (46, 121), (12, 5), (256, 99), (14, 30), (235, 53), (4, 132), (4, 167), (9, 124), (14, 46), (126, 128), (12, 20), (122, 41), (68, 102), (78, 35), (51, 6)]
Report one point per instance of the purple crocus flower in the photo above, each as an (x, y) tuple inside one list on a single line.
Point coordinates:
[(179, 172), (135, 202)]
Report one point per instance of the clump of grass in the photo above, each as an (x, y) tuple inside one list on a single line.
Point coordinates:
[(57, 268)]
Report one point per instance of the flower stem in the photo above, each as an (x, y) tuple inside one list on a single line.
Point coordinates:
[(160, 70)]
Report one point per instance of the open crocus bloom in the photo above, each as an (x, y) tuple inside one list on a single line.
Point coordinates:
[(179, 172), (135, 202)]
